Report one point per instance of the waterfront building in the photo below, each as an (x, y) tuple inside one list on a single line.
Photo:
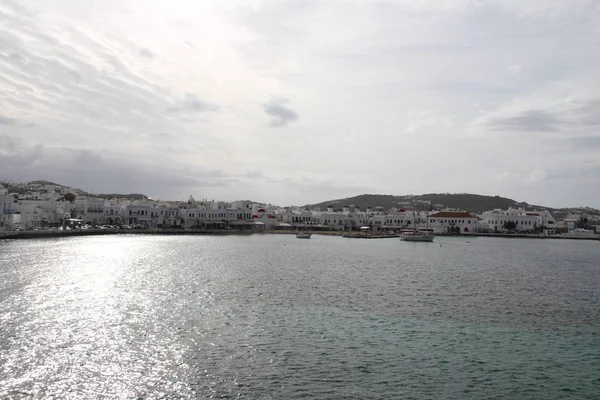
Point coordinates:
[(518, 220), (43, 205), (7, 209), (89, 209), (401, 219), (40, 210), (244, 209), (298, 216), (113, 212), (151, 214), (453, 222), (208, 218), (264, 219)]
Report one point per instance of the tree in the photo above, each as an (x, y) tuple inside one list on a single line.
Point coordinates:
[(510, 225), (582, 223), (70, 197)]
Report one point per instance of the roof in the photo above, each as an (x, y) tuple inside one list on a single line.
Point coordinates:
[(452, 214)]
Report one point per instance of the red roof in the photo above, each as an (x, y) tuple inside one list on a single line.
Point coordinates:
[(401, 210), (530, 213), (452, 214), (255, 216), (261, 210)]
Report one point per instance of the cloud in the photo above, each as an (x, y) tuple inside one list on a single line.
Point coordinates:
[(530, 120), (106, 171), (586, 171), (281, 114), (546, 111), (583, 142), (192, 104), (146, 53), (443, 85), (515, 68), (7, 120)]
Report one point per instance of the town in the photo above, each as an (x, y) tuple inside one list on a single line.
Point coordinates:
[(43, 206)]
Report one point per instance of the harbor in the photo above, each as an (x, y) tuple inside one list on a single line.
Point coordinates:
[(233, 232), (50, 210)]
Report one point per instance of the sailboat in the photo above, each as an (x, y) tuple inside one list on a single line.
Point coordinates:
[(417, 236), (303, 235)]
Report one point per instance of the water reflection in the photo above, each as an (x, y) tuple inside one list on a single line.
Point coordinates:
[(269, 317)]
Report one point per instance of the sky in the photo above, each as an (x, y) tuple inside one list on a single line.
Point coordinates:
[(293, 102)]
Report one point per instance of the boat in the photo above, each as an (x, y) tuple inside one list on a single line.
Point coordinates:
[(417, 236), (303, 235)]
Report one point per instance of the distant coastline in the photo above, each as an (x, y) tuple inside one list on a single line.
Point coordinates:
[(225, 232)]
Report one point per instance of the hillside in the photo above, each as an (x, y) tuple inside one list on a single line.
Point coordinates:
[(134, 196), (434, 201), (43, 182), (24, 187)]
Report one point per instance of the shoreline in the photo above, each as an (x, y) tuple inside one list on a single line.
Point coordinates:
[(103, 232), (227, 232)]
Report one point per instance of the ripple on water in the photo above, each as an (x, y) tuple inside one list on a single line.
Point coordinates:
[(273, 317)]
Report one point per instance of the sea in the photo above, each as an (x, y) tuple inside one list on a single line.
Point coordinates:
[(273, 317)]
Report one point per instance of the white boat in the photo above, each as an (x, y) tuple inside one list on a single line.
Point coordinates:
[(417, 236), (303, 235)]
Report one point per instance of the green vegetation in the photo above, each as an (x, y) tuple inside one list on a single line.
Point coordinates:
[(134, 196), (70, 197), (510, 225), (461, 201)]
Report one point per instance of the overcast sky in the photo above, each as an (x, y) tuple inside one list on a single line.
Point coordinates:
[(302, 101)]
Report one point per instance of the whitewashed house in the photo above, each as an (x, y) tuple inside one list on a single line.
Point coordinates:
[(453, 222), (114, 212), (524, 221), (7, 208), (89, 209)]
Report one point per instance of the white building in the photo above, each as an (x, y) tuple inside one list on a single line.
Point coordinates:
[(89, 209), (518, 220), (244, 209), (39, 210), (211, 218), (402, 219), (266, 219), (113, 212), (298, 216), (7, 209), (453, 222), (152, 214)]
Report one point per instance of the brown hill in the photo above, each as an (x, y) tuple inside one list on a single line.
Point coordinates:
[(434, 201)]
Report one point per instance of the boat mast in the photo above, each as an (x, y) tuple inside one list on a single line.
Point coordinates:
[(414, 221)]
